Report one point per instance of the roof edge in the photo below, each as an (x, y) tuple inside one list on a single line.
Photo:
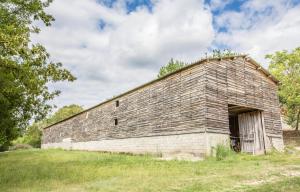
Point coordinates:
[(265, 71)]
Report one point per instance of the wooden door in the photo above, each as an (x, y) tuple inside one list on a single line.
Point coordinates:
[(251, 132)]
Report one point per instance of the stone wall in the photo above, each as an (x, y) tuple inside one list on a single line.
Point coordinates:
[(197, 144)]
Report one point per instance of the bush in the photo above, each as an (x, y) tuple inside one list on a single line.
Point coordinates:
[(19, 147), (28, 140), (223, 151), (32, 137), (4, 147)]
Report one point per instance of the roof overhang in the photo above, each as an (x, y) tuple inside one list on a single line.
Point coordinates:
[(262, 69)]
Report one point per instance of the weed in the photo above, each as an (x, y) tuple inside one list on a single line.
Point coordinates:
[(223, 152)]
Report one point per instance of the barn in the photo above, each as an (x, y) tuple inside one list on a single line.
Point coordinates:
[(230, 101)]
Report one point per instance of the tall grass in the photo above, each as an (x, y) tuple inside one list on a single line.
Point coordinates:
[(223, 152)]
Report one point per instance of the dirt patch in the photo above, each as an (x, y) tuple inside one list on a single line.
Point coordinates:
[(276, 176), (292, 174)]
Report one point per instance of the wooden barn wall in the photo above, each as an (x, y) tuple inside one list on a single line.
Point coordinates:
[(173, 105), (238, 82)]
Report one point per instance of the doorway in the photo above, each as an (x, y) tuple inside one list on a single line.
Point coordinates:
[(247, 132), (235, 141)]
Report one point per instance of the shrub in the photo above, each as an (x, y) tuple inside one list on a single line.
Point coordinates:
[(4, 147), (19, 147), (223, 151), (32, 137)]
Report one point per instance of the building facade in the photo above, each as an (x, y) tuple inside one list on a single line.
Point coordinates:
[(231, 101)]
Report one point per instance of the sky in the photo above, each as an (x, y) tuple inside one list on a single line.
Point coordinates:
[(112, 46)]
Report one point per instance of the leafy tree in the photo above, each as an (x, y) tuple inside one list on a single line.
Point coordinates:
[(63, 113), (33, 132), (170, 67), (25, 68), (285, 66)]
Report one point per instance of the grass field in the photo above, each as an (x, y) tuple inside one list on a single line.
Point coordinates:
[(58, 170)]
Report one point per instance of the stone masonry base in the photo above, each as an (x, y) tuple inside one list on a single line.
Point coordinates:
[(198, 144)]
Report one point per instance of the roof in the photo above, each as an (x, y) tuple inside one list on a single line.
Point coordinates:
[(248, 58)]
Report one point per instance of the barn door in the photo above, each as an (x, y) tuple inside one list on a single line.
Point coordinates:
[(251, 132)]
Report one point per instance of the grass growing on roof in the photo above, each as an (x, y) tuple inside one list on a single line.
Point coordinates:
[(59, 170)]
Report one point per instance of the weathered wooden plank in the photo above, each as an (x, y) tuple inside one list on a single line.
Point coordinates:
[(195, 99)]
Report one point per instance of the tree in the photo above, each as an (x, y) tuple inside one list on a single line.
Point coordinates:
[(285, 66), (170, 67), (63, 113), (25, 68), (33, 132)]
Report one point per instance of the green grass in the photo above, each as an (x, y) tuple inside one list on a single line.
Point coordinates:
[(286, 185), (58, 170)]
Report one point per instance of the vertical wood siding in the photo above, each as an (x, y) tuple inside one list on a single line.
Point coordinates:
[(239, 82)]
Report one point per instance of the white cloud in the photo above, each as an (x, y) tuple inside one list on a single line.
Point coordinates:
[(219, 4), (261, 27), (130, 48)]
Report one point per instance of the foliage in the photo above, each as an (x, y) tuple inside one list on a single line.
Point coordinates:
[(222, 152), (59, 170), (33, 132), (217, 53), (170, 67), (63, 113), (25, 68), (20, 147), (285, 66)]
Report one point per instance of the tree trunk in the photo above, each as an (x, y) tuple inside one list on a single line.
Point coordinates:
[(297, 122)]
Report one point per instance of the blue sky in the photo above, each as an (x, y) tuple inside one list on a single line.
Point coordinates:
[(113, 46)]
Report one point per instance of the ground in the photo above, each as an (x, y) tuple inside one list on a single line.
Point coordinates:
[(291, 138), (59, 170)]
